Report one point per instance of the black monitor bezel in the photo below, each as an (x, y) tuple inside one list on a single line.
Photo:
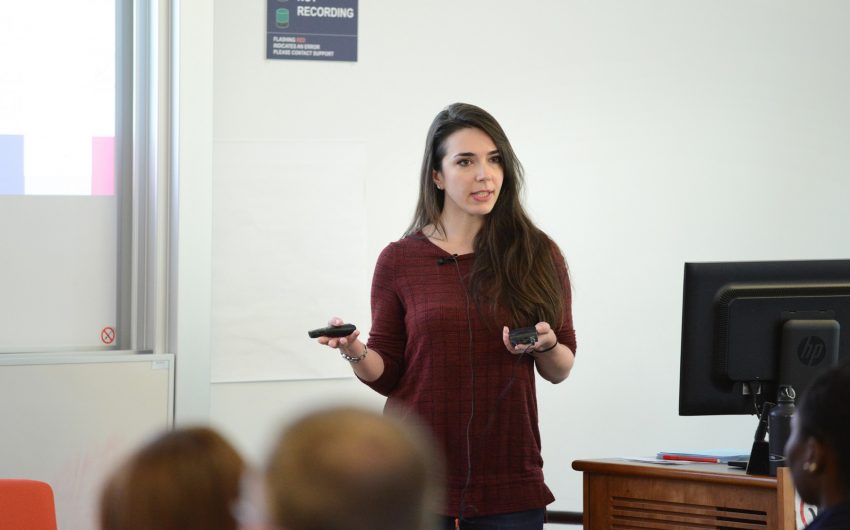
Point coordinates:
[(703, 389)]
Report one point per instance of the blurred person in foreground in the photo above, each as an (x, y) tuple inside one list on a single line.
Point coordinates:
[(352, 469), (818, 450), (185, 479)]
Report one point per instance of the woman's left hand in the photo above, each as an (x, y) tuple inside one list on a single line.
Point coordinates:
[(546, 339)]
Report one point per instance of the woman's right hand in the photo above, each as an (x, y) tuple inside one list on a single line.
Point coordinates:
[(345, 344), (371, 367)]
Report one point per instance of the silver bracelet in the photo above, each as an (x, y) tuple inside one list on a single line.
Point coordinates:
[(354, 360)]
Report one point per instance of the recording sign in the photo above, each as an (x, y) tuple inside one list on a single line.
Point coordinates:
[(312, 30)]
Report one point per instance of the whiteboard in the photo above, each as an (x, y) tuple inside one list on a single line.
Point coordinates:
[(288, 253), (68, 419)]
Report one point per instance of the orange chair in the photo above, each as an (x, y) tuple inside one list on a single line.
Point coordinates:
[(26, 505)]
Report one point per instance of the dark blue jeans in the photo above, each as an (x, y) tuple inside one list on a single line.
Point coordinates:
[(528, 520)]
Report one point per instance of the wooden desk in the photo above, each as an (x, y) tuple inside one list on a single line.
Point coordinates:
[(623, 494)]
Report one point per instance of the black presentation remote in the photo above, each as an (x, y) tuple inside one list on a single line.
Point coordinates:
[(342, 330), (523, 336)]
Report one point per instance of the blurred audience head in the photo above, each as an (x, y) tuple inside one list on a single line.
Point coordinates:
[(818, 450), (351, 469), (186, 479)]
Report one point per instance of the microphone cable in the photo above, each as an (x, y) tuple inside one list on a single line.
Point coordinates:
[(502, 394), (462, 503)]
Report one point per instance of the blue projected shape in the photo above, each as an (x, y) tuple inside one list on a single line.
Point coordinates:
[(11, 164)]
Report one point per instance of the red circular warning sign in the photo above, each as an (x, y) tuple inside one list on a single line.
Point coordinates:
[(107, 335)]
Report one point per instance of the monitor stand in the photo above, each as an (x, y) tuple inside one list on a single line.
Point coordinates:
[(759, 462)]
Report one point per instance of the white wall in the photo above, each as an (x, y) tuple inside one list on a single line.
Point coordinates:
[(652, 132)]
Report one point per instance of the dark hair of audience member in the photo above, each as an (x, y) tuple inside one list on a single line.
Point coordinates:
[(819, 449), (186, 479)]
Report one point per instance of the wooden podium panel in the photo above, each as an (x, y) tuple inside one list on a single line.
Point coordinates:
[(631, 495)]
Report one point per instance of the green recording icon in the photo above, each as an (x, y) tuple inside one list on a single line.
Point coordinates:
[(282, 18)]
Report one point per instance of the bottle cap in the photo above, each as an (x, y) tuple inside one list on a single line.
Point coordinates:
[(786, 394)]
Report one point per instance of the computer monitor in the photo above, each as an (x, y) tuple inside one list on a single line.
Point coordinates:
[(748, 327)]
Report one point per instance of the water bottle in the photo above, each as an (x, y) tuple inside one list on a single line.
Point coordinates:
[(779, 426)]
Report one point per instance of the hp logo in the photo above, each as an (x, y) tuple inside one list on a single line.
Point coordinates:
[(811, 351)]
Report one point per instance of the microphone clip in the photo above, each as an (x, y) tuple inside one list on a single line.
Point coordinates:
[(447, 259)]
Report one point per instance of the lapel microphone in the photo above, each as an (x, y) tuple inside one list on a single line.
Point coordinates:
[(443, 261)]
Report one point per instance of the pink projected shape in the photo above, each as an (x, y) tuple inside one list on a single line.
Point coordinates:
[(103, 165)]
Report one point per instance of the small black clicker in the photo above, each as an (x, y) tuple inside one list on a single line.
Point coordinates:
[(343, 330), (523, 336)]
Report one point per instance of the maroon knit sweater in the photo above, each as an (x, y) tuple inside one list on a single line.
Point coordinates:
[(461, 389)]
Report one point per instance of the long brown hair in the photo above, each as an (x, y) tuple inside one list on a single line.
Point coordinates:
[(186, 479), (514, 260)]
